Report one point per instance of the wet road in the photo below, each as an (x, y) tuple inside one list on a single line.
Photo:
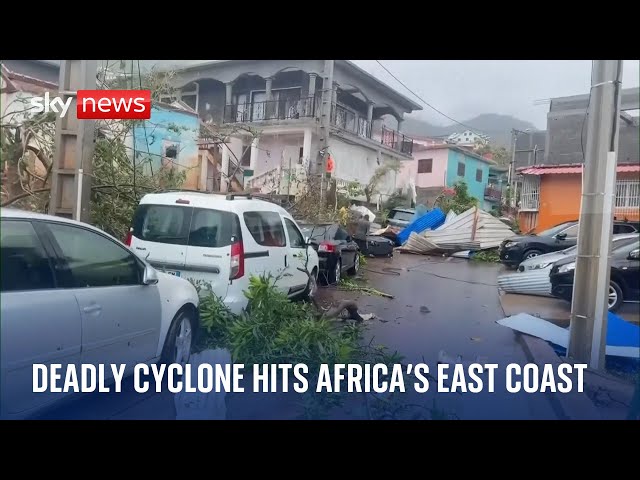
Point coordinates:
[(439, 304), (462, 301)]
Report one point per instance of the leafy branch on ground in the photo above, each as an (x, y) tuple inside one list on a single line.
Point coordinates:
[(490, 256), (273, 329)]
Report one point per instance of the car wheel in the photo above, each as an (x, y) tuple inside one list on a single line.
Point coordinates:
[(615, 297), (179, 341), (356, 265), (334, 277), (531, 253), (312, 285)]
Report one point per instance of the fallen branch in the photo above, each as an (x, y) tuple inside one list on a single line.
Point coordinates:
[(348, 286), (349, 305)]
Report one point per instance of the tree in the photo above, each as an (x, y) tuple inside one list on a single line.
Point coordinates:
[(372, 187), (459, 202), (500, 155)]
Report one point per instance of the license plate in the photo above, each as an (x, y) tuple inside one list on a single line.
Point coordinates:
[(175, 273)]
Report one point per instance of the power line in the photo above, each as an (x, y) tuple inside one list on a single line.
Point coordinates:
[(425, 102)]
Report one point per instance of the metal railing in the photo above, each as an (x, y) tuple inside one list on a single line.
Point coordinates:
[(396, 140), (492, 193), (284, 109), (627, 199)]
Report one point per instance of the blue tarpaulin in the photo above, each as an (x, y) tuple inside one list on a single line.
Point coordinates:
[(429, 220)]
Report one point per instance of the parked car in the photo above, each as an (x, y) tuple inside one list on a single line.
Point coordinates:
[(624, 284), (546, 260), (223, 240), (72, 294), (532, 277), (400, 217), (337, 250), (522, 247)]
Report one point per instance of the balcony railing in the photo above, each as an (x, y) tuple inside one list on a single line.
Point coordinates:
[(284, 109), (492, 193), (396, 140)]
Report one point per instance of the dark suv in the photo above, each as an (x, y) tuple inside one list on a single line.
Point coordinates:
[(521, 247), (624, 284)]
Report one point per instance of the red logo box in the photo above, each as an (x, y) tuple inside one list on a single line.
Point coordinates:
[(113, 104)]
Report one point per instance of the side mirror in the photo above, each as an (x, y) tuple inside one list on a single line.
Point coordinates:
[(150, 276), (348, 239), (307, 240), (634, 254), (561, 236)]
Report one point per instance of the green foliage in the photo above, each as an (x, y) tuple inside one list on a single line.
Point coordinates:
[(397, 199), (378, 176), (460, 201), (489, 256)]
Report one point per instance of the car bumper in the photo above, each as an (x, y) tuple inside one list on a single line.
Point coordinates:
[(510, 256), (562, 285)]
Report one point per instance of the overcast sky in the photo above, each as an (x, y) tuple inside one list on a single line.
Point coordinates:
[(465, 88)]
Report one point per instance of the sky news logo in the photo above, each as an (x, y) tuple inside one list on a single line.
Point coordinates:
[(99, 104)]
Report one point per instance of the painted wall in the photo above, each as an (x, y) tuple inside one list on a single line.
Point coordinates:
[(437, 177), (560, 197), (475, 188), (275, 150), (169, 126), (358, 163)]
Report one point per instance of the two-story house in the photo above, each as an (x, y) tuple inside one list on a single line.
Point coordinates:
[(437, 167), (273, 110), (468, 138)]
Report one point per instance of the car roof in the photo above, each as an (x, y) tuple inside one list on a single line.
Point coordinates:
[(220, 201), (24, 214)]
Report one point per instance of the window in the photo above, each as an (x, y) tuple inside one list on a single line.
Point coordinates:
[(245, 159), (170, 151), (571, 232), (622, 228), (25, 265), (197, 227), (530, 194), (93, 260), (460, 169), (341, 234), (266, 228), (479, 175), (425, 165), (295, 237), (627, 198)]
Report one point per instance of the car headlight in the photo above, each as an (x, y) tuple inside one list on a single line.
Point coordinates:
[(567, 267), (510, 244), (539, 266)]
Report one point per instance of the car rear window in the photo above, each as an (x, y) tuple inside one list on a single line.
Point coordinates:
[(177, 225)]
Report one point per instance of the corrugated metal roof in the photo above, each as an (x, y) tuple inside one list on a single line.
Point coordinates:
[(547, 170)]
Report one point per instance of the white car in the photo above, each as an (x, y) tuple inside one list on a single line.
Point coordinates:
[(222, 240), (72, 294)]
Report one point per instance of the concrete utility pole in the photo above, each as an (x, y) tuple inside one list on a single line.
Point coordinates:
[(325, 125), (591, 285), (74, 143)]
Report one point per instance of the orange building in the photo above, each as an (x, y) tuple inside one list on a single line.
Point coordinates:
[(551, 194)]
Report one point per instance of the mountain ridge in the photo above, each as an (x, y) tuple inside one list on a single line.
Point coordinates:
[(496, 126)]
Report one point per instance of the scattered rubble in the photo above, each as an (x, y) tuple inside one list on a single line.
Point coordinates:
[(472, 230)]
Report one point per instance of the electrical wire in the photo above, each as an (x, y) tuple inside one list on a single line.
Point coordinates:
[(425, 102)]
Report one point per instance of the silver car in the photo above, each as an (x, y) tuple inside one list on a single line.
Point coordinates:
[(532, 277), (71, 295)]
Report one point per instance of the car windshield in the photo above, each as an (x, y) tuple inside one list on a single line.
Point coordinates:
[(402, 216), (553, 230)]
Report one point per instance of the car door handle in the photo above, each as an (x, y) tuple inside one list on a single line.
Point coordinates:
[(285, 260), (92, 309)]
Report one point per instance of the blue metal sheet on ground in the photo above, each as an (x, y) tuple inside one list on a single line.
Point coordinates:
[(432, 219)]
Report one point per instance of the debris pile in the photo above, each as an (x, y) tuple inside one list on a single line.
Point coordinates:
[(473, 230)]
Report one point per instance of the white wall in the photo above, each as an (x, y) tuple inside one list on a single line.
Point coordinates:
[(275, 149), (358, 163)]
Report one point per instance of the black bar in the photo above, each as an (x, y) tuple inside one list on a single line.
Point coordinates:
[(256, 254)]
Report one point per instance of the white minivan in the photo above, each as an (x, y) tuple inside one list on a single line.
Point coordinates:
[(223, 240)]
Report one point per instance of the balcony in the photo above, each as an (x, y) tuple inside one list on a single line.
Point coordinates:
[(492, 193), (285, 109), (349, 121)]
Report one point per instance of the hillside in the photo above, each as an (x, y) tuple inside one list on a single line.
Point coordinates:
[(498, 127)]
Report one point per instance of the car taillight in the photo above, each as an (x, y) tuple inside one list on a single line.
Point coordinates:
[(326, 247), (237, 260), (127, 239)]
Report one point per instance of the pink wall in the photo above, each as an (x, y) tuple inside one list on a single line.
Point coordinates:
[(436, 178)]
